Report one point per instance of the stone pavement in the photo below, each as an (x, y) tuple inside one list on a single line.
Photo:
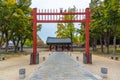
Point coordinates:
[(60, 66)]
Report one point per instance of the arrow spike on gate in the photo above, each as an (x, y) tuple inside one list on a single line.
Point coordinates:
[(79, 10), (82, 10), (39, 15), (42, 10), (56, 15), (47, 10), (53, 10), (45, 15), (56, 10), (76, 10), (50, 10)]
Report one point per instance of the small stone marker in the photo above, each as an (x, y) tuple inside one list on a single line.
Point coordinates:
[(111, 57), (22, 73), (104, 72), (70, 54), (2, 58), (77, 58), (43, 58), (116, 58)]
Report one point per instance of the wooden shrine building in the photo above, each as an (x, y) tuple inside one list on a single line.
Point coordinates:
[(59, 44)]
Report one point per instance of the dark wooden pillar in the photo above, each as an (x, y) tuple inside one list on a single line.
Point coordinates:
[(56, 47), (62, 47), (50, 47)]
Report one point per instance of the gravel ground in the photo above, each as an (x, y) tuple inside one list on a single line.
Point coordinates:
[(98, 62), (9, 69)]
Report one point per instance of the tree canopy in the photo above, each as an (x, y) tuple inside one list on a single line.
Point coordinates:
[(105, 22), (104, 28), (15, 22), (65, 30)]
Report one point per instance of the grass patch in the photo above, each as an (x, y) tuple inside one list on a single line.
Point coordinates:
[(13, 54), (118, 48), (100, 53), (105, 54)]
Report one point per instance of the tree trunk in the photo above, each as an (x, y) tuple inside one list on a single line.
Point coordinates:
[(22, 43), (17, 45), (6, 46), (1, 39), (114, 44), (101, 42), (107, 49), (94, 43), (106, 40), (16, 49), (21, 48), (119, 43)]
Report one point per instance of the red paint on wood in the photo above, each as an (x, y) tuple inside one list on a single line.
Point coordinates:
[(34, 35), (87, 33)]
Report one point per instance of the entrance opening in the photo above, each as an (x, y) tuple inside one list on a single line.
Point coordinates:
[(54, 16)]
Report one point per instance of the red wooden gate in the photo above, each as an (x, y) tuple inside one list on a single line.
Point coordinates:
[(53, 16)]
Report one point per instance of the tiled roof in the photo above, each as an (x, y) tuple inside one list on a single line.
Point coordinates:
[(57, 40)]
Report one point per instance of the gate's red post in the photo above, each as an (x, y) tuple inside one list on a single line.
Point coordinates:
[(87, 35), (33, 55)]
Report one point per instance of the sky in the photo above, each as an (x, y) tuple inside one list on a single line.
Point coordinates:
[(49, 29)]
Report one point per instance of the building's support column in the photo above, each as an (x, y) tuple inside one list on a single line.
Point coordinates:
[(50, 47), (56, 47)]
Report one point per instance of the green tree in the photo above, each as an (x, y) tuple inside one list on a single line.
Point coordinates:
[(81, 32), (15, 22), (105, 16), (65, 30)]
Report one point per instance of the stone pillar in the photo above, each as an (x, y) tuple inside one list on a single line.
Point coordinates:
[(85, 58), (36, 60)]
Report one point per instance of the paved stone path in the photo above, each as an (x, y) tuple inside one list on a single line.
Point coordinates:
[(60, 66)]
